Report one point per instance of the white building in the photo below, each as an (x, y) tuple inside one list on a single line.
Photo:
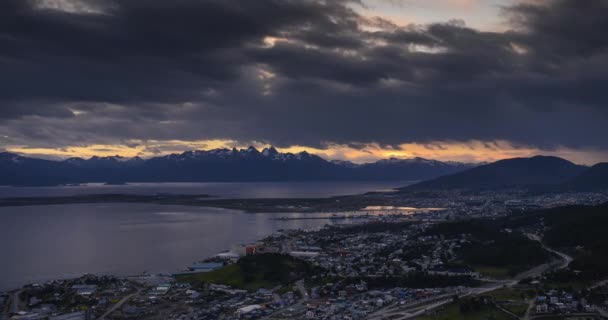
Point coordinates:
[(247, 309)]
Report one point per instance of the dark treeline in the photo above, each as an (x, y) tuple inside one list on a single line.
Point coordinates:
[(275, 268), (492, 245), (579, 230)]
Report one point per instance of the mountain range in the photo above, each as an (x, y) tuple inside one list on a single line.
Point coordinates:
[(217, 165), (539, 173)]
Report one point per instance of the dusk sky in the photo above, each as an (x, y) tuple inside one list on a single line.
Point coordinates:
[(465, 80)]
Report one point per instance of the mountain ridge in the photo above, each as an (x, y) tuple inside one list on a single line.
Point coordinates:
[(216, 165), (596, 177), (533, 172)]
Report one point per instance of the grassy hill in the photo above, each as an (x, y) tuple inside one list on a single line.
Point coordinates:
[(254, 272)]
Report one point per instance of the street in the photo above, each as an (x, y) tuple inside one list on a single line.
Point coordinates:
[(413, 310)]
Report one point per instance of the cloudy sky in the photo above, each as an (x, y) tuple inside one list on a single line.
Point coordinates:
[(469, 80)]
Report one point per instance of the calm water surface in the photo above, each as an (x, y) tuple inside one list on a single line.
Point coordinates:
[(63, 241), (226, 190)]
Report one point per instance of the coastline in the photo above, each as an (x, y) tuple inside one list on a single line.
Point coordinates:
[(271, 205)]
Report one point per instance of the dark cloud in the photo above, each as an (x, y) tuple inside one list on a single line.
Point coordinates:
[(563, 29), (298, 72)]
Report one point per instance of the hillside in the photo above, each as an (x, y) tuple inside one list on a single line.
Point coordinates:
[(490, 248), (581, 230), (593, 178), (17, 170), (516, 172), (218, 165), (255, 272), (578, 230)]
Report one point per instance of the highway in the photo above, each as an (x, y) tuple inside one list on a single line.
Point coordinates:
[(119, 304), (411, 309), (416, 309)]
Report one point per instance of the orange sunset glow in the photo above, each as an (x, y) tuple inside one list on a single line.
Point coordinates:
[(303, 159), (472, 151)]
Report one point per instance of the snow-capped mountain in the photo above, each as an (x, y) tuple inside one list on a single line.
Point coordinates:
[(345, 163), (247, 164), (104, 161)]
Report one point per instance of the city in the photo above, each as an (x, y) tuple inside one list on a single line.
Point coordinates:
[(380, 263), (303, 159)]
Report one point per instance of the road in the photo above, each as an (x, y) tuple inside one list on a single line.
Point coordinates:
[(119, 304), (420, 307), (599, 284), (15, 302), (602, 312), (401, 309), (408, 312), (565, 261), (302, 289), (566, 258)]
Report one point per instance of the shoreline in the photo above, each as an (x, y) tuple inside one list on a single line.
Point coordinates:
[(360, 219), (259, 205), (131, 275)]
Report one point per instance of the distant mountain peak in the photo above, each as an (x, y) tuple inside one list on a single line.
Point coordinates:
[(252, 149), (516, 172), (594, 178), (307, 156), (115, 158), (136, 159), (74, 160), (217, 165), (416, 160), (345, 163), (270, 152), (7, 154), (13, 157)]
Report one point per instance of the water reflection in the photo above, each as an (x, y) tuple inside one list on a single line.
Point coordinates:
[(48, 242)]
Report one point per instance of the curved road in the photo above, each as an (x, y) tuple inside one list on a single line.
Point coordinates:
[(566, 258), (408, 311), (119, 304)]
